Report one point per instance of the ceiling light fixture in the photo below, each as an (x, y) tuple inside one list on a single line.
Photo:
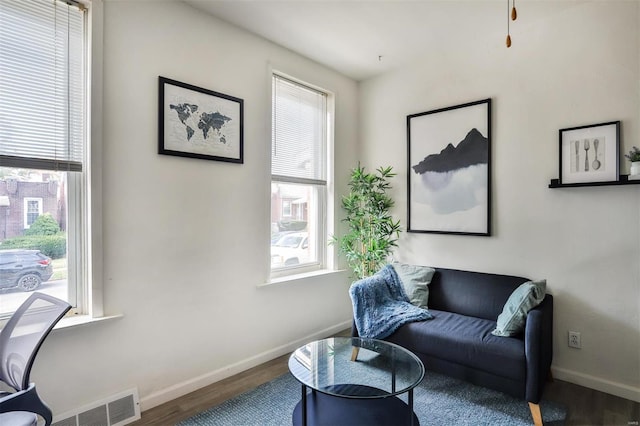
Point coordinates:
[(510, 17)]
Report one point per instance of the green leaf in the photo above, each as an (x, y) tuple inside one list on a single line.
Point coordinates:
[(372, 232)]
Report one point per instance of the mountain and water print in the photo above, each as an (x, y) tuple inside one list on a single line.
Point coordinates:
[(455, 180)]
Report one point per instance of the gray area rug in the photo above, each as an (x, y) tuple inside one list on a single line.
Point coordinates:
[(438, 400)]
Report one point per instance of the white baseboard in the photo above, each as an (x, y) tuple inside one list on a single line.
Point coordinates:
[(183, 388), (188, 386), (597, 383)]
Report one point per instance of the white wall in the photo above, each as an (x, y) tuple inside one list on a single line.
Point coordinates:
[(183, 251), (180, 238), (575, 68)]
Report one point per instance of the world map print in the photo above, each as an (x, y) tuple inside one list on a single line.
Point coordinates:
[(209, 123)]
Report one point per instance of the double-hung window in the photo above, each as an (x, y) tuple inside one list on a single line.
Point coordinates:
[(32, 210), (298, 177), (43, 138)]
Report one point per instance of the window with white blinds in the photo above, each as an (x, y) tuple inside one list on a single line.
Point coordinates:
[(43, 135), (298, 151), (298, 177), (42, 84)]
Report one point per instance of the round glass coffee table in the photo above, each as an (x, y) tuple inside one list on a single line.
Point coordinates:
[(355, 381)]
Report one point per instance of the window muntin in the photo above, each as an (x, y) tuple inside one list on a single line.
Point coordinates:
[(298, 177), (43, 63)]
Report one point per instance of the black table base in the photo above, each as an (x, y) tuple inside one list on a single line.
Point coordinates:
[(327, 410)]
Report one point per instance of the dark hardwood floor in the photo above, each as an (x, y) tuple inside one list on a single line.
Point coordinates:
[(586, 407), (186, 406), (590, 407)]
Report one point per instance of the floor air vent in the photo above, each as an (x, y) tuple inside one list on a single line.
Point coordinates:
[(118, 410)]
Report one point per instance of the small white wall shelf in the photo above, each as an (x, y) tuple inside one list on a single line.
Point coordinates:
[(624, 180)]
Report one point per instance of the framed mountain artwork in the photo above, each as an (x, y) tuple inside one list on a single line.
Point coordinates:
[(449, 170)]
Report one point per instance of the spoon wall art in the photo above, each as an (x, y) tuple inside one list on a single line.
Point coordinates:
[(590, 153)]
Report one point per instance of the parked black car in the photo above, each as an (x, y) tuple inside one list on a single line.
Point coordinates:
[(24, 269)]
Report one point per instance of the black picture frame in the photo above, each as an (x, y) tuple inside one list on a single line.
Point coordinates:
[(199, 123), (577, 165), (449, 170)]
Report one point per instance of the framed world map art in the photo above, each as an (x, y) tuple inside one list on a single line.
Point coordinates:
[(199, 123)]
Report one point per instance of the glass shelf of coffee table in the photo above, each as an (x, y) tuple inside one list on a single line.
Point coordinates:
[(355, 381)]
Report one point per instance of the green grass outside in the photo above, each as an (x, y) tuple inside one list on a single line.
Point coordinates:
[(59, 269)]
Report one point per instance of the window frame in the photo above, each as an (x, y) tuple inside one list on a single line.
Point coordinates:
[(26, 212), (321, 188), (84, 283), (286, 208)]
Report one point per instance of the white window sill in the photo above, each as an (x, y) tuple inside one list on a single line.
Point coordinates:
[(74, 321), (291, 279)]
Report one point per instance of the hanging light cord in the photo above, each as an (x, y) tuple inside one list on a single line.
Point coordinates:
[(513, 17), (508, 33)]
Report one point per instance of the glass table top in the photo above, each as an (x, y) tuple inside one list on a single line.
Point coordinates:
[(381, 368)]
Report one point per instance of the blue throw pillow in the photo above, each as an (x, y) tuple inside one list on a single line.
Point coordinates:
[(415, 280), (514, 314)]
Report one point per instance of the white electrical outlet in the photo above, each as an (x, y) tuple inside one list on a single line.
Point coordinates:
[(574, 340)]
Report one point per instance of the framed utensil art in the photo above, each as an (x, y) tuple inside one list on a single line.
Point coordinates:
[(590, 153)]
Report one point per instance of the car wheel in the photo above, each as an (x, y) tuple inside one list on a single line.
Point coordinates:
[(29, 282), (290, 262)]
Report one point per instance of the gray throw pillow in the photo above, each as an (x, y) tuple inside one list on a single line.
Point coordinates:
[(415, 280), (514, 314)]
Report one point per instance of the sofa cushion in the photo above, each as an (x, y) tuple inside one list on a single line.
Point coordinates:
[(474, 294), (464, 340), (415, 280), (514, 314)]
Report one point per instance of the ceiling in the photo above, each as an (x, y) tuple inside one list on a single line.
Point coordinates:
[(363, 38)]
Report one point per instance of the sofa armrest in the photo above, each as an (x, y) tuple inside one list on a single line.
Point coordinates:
[(538, 346)]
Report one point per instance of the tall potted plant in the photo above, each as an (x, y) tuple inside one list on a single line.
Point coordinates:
[(372, 232)]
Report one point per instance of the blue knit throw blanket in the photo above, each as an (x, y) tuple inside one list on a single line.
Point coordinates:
[(381, 306)]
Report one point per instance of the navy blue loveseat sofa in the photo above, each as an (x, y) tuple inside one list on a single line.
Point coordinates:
[(458, 340)]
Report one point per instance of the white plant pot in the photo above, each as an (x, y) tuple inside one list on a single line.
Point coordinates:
[(634, 174)]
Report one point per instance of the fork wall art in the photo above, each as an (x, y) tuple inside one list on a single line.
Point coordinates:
[(449, 170), (199, 123), (590, 153)]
